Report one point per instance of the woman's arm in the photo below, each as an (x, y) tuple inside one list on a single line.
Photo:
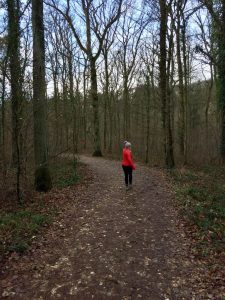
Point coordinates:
[(129, 158)]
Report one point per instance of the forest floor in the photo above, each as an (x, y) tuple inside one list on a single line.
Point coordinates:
[(111, 244)]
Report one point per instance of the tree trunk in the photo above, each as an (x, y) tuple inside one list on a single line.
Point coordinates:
[(148, 99), (56, 101), (85, 105), (181, 126), (126, 109), (168, 148), (16, 84), (107, 104), (3, 113), (208, 101), (221, 75), (169, 104), (72, 102), (42, 174), (65, 130), (185, 90), (95, 104), (106, 99)]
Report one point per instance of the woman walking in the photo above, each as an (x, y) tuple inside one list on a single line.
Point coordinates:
[(128, 165)]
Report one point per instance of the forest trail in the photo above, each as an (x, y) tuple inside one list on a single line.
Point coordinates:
[(113, 244)]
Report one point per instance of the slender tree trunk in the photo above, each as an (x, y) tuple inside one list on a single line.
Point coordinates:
[(118, 122), (154, 115), (65, 100), (76, 121), (56, 101), (148, 99), (207, 106), (181, 128), (85, 106), (42, 174), (16, 85), (126, 109), (185, 90), (221, 75), (65, 115), (169, 103), (95, 104), (162, 63), (106, 99), (56, 111), (72, 101), (3, 112), (105, 129), (163, 86), (111, 113), (108, 108)]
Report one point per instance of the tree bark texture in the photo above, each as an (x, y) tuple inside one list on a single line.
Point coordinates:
[(95, 104), (163, 84), (16, 85), (221, 74), (42, 174)]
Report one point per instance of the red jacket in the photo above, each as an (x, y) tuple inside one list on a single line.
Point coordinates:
[(127, 159)]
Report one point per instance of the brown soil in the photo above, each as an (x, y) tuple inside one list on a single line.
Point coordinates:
[(110, 244)]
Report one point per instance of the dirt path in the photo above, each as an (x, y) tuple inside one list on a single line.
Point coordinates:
[(113, 244)]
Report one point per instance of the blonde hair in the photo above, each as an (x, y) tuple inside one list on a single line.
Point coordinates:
[(127, 145)]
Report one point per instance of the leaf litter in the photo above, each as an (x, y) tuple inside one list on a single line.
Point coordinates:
[(111, 244)]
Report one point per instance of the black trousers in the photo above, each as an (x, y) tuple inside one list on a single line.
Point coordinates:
[(128, 174)]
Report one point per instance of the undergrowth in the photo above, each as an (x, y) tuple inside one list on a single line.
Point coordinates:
[(65, 174), (17, 229), (201, 198), (20, 224)]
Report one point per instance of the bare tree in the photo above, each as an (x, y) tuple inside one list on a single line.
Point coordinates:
[(129, 36), (96, 31), (217, 11)]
